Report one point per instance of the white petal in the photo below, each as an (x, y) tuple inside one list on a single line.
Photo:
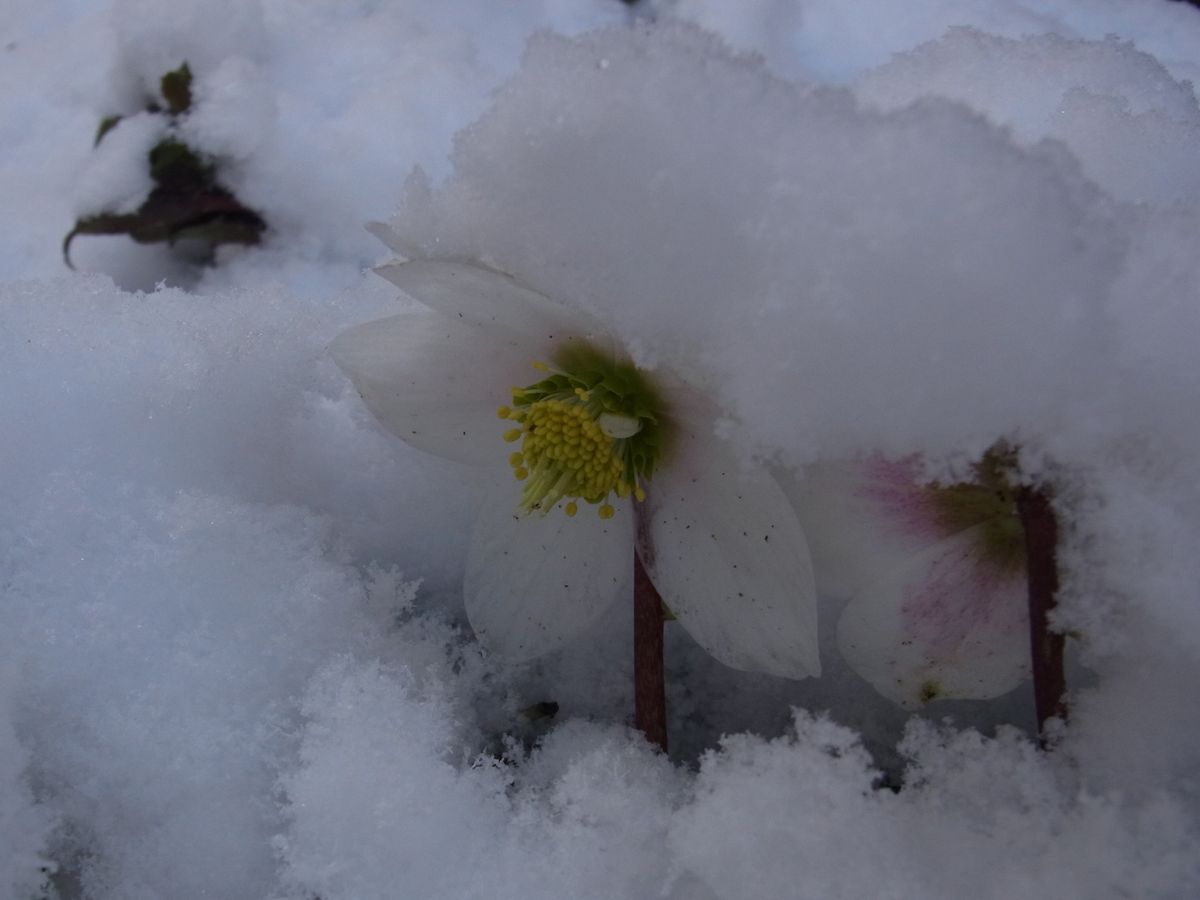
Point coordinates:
[(388, 235), (492, 300), (535, 583), (947, 624), (730, 560), (862, 518), (434, 382)]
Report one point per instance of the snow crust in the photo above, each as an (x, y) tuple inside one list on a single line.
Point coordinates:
[(234, 657), (827, 40), (1130, 124)]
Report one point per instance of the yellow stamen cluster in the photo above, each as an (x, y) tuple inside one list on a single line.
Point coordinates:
[(592, 430), (564, 453)]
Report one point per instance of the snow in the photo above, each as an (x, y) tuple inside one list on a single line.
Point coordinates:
[(827, 40), (1127, 121), (966, 238), (24, 824), (235, 662)]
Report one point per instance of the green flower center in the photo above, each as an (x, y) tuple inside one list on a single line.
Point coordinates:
[(991, 502), (592, 429)]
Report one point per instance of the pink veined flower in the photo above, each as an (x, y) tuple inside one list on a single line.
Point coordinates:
[(481, 360), (935, 576)]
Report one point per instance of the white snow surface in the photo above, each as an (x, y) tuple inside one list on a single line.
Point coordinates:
[(233, 659), (829, 40)]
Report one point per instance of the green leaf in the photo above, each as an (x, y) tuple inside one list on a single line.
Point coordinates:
[(176, 89), (176, 166), (107, 124), (547, 709)]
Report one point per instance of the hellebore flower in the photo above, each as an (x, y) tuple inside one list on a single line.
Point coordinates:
[(935, 575), (593, 445)]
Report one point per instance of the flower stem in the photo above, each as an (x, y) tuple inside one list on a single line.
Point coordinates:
[(649, 691), (1041, 545)]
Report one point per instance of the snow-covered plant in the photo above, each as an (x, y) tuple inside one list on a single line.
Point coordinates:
[(187, 201), (600, 456)]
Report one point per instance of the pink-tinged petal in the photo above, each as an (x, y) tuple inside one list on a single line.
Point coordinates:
[(494, 301), (535, 583), (862, 518), (434, 382), (946, 624), (729, 558)]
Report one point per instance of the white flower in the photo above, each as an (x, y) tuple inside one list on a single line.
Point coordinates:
[(935, 575), (553, 546)]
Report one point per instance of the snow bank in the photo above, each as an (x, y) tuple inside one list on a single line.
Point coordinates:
[(827, 40), (227, 683), (378, 810), (883, 270), (25, 825), (168, 582), (1131, 125)]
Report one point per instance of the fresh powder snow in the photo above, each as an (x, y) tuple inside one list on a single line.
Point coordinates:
[(234, 660)]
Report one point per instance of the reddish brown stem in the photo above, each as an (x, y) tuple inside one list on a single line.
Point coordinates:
[(1041, 556), (649, 691)]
